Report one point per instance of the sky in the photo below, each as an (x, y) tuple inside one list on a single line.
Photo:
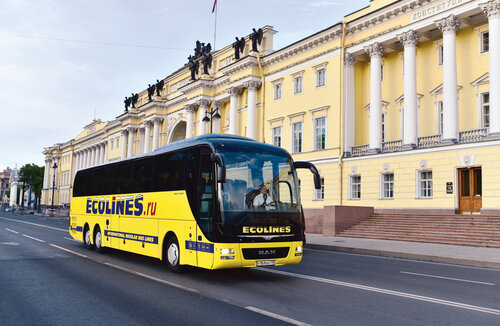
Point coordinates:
[(61, 61)]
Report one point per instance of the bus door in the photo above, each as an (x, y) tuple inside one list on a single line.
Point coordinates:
[(206, 210)]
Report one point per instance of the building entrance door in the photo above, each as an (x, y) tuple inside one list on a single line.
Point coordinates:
[(470, 190)]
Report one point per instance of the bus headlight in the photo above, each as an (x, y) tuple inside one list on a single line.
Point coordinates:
[(227, 251), (226, 257), (298, 249)]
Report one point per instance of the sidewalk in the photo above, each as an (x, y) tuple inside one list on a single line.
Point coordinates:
[(460, 255)]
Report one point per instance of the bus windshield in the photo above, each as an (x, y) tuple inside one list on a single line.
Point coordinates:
[(261, 189)]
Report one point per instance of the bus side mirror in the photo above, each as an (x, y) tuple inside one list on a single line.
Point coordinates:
[(312, 168), (221, 168)]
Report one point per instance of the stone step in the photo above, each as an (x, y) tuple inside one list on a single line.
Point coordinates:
[(439, 234)]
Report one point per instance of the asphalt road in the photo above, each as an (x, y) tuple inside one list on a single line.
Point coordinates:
[(48, 279)]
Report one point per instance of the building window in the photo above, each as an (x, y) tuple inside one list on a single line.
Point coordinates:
[(485, 109), (485, 42), (387, 186), (277, 91), (112, 142), (319, 194), (277, 136), (297, 137), (425, 184), (117, 142), (383, 127), (355, 187), (382, 72), (320, 77), (440, 54), (440, 117), (320, 133), (297, 85)]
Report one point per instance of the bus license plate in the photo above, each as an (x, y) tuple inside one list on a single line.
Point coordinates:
[(265, 263)]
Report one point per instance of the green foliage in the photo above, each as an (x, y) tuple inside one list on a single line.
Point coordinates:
[(32, 174)]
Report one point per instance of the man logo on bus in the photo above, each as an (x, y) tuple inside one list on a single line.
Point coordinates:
[(120, 205)]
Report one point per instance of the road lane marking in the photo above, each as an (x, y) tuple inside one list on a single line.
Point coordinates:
[(9, 243), (384, 291), (11, 231), (33, 238), (40, 225), (72, 239), (276, 316), (70, 251), (152, 278), (447, 278)]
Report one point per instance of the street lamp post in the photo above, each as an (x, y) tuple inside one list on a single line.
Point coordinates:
[(214, 114), (53, 183)]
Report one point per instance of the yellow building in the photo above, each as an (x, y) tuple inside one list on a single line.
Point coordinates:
[(393, 105)]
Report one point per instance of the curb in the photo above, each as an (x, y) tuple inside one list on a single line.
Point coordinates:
[(405, 255)]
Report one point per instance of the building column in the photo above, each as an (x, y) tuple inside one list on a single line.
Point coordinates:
[(13, 193), (449, 26), (85, 158), (130, 150), (101, 152), (491, 9), (349, 104), (252, 109), (124, 144), (142, 136), (409, 41), (105, 159), (46, 174), (97, 154), (156, 132), (190, 120), (147, 136), (375, 51), (202, 112), (233, 110)]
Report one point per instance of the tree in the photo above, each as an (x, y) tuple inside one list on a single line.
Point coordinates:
[(32, 174)]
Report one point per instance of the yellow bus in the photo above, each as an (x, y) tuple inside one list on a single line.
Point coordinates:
[(213, 201)]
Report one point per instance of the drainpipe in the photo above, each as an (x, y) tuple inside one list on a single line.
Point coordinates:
[(342, 122), (263, 95)]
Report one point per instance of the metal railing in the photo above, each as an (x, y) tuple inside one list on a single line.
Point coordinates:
[(391, 146), (429, 141), (473, 135), (360, 149)]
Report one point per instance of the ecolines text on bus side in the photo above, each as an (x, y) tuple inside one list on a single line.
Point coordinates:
[(131, 205)]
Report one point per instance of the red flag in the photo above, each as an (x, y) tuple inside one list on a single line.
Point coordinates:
[(213, 8)]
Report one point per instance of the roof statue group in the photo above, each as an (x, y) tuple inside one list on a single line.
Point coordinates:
[(202, 53)]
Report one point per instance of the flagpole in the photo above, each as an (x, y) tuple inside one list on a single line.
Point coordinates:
[(215, 28)]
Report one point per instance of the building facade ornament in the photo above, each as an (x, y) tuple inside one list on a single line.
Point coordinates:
[(203, 102), (252, 85), (349, 59), (233, 91), (190, 108), (491, 9), (409, 38), (448, 24), (375, 50)]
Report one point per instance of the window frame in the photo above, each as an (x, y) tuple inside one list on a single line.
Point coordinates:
[(352, 186), (429, 187), (318, 74), (274, 135), (483, 105), (482, 49), (315, 134), (319, 194), (390, 183), (277, 90), (300, 137), (296, 80), (440, 53)]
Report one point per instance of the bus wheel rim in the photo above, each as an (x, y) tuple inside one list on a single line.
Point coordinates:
[(98, 240), (173, 254), (87, 237)]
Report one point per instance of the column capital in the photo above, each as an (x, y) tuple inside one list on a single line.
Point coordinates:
[(349, 59), (203, 102), (218, 104), (190, 108), (233, 91), (448, 24), (252, 85), (409, 38), (124, 132), (491, 9), (157, 120), (375, 50), (131, 129)]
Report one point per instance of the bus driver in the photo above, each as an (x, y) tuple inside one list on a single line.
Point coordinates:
[(263, 199)]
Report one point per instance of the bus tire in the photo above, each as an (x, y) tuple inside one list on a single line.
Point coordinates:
[(98, 240), (87, 238), (172, 255)]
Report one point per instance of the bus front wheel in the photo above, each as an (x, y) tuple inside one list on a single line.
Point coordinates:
[(172, 255), (98, 240)]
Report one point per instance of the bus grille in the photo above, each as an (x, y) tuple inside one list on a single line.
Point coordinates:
[(265, 253)]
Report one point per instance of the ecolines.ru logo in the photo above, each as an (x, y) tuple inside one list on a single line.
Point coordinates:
[(120, 205)]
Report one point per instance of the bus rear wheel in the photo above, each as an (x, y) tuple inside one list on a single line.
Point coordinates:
[(172, 255), (98, 240), (87, 236)]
